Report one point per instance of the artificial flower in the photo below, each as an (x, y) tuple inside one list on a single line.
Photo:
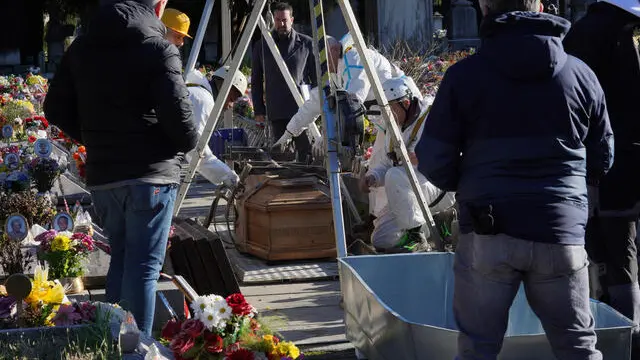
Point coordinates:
[(60, 243), (209, 318), (193, 327), (214, 344), (182, 343), (286, 348), (241, 354), (239, 304), (171, 329), (66, 315)]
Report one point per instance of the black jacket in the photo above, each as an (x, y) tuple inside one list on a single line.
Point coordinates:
[(603, 39), (531, 124), (297, 52), (119, 91)]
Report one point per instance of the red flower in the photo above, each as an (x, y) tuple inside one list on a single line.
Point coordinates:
[(171, 329), (240, 354), (213, 343), (193, 328), (32, 139), (238, 304), (181, 344)]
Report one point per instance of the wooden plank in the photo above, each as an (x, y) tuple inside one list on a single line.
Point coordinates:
[(277, 289)]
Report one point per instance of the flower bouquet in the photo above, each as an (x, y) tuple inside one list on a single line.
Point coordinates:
[(64, 252), (44, 172), (224, 329)]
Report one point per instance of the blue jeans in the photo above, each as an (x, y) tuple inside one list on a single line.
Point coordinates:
[(488, 272), (137, 219)]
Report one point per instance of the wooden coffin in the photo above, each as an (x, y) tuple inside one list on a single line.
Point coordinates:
[(289, 219)]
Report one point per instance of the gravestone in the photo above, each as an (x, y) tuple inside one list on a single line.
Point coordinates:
[(463, 29)]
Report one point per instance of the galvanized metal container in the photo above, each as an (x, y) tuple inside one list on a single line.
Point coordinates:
[(400, 307)]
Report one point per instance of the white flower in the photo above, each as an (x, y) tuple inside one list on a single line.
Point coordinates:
[(223, 311), (209, 318), (199, 305)]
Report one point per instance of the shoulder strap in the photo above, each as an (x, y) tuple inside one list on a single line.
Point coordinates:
[(415, 130), (197, 85)]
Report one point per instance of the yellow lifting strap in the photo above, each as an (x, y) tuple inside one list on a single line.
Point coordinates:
[(415, 130)]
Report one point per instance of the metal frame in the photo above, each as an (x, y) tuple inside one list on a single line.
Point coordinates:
[(219, 102), (330, 138), (376, 86), (197, 41), (325, 89)]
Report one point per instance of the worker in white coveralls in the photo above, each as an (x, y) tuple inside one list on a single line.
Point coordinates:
[(347, 72), (201, 94), (400, 226)]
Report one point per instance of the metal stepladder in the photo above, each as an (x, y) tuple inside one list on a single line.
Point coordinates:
[(329, 113)]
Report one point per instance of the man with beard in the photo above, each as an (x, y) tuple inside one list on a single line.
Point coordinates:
[(270, 94)]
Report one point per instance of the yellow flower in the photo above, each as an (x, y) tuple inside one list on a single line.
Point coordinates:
[(43, 290), (36, 80), (270, 343), (286, 348), (60, 243)]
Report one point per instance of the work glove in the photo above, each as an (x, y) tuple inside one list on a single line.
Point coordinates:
[(318, 149), (284, 141), (231, 180)]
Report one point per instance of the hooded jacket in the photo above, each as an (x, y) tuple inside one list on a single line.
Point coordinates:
[(603, 39), (520, 126), (119, 91)]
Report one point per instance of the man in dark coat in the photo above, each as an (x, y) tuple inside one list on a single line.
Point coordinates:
[(518, 130), (270, 94), (606, 40), (119, 90)]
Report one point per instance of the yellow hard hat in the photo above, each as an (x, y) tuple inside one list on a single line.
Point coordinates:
[(177, 21)]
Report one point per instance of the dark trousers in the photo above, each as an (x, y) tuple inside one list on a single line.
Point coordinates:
[(303, 147), (611, 241)]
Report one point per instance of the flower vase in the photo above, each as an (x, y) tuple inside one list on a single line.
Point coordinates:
[(44, 182), (72, 285)]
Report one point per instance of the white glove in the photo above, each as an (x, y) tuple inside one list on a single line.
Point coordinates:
[(284, 141), (231, 179), (318, 149)]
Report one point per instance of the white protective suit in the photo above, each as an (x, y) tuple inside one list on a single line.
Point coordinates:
[(402, 211), (353, 78), (201, 96)]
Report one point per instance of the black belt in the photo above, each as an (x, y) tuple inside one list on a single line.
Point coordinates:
[(438, 199)]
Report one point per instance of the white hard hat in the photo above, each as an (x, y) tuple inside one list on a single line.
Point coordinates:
[(239, 80), (396, 89), (630, 6), (346, 41)]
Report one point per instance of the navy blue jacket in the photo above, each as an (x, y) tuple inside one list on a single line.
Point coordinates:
[(521, 126), (603, 39)]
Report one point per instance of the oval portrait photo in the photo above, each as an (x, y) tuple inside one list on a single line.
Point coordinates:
[(11, 160), (43, 148), (63, 222), (16, 227), (7, 131)]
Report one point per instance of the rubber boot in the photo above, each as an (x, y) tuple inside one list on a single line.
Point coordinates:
[(413, 240), (626, 300)]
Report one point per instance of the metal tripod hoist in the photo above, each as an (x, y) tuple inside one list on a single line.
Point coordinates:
[(329, 114)]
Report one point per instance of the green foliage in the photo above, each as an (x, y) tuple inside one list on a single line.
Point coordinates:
[(63, 264)]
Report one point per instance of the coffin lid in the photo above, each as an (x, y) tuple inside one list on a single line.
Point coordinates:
[(301, 192)]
